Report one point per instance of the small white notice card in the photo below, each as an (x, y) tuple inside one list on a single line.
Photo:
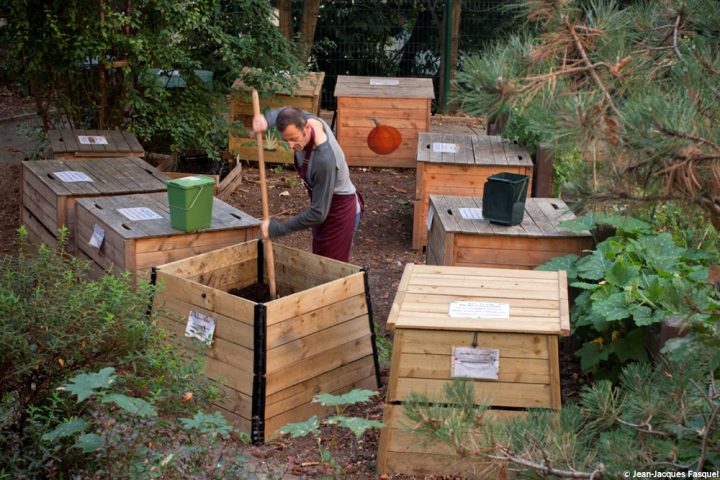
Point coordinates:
[(459, 308), (69, 176), (200, 326), (98, 236), (92, 140), (444, 147), (384, 81), (471, 213), (139, 213), (470, 362)]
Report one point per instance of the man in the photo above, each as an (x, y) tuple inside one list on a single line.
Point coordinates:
[(335, 204)]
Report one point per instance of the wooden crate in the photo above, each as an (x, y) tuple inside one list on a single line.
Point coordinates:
[(305, 97), (403, 103), (454, 240), (138, 245), (68, 143), (49, 203), (402, 451), (271, 358), (462, 169), (426, 335)]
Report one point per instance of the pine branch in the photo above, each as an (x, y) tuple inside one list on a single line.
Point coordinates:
[(593, 73), (506, 455), (675, 37), (644, 427), (687, 136), (711, 398)]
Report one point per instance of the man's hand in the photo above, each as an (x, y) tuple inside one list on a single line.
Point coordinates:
[(259, 123), (265, 228)]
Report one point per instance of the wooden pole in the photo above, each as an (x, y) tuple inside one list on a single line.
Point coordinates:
[(270, 261)]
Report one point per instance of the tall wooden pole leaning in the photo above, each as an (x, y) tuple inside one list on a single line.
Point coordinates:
[(270, 261)]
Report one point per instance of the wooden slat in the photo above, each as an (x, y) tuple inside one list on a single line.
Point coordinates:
[(438, 367), (211, 261), (359, 86), (515, 345)]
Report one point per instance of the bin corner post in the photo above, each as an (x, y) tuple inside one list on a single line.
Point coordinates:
[(153, 283), (260, 261), (373, 338), (257, 432)]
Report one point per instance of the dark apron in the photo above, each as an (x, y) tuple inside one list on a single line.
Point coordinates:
[(333, 238)]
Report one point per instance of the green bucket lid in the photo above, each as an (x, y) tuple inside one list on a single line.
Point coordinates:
[(192, 181)]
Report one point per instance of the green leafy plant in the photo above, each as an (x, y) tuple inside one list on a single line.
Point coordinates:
[(629, 284), (356, 425)]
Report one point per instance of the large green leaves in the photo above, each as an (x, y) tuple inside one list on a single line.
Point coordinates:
[(87, 384)]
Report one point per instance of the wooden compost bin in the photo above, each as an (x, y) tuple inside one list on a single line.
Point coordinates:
[(49, 202), (271, 358), (403, 103), (306, 96), (521, 314), (136, 244), (454, 240), (68, 143), (452, 164)]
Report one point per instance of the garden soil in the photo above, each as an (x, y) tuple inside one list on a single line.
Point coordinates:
[(383, 244)]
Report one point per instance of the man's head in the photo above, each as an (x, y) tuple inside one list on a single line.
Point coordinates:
[(293, 128)]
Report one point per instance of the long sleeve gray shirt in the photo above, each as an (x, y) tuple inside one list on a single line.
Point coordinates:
[(327, 174)]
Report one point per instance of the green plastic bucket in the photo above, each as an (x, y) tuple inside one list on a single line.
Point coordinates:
[(191, 200)]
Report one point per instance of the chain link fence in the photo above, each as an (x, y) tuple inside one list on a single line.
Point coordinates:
[(398, 38)]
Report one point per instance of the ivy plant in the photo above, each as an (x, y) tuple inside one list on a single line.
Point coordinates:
[(628, 285)]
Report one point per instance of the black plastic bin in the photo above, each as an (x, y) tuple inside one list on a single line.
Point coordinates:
[(504, 198)]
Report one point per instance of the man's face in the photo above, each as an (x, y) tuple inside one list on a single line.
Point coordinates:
[(296, 138)]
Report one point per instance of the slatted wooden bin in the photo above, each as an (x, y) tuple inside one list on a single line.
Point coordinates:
[(455, 240), (454, 164), (132, 240), (272, 357), (306, 96), (403, 103), (69, 143), (49, 201), (440, 309)]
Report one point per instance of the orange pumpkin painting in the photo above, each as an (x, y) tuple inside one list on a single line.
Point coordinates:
[(383, 139)]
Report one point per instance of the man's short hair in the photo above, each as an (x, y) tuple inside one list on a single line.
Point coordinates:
[(290, 116)]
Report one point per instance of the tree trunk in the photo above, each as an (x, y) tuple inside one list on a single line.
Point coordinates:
[(285, 18), (102, 77), (311, 10), (455, 40)]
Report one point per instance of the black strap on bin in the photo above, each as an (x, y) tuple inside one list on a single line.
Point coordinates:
[(373, 341), (257, 429)]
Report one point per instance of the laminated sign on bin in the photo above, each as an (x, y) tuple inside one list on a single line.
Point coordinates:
[(504, 198), (191, 200)]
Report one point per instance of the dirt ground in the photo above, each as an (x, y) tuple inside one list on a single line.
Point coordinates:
[(383, 244)]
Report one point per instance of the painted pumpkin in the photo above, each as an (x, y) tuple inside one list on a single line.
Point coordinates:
[(383, 139)]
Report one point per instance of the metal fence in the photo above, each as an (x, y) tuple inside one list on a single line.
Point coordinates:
[(398, 38)]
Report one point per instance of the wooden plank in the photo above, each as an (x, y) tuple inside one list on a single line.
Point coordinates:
[(498, 394), (211, 261), (307, 410), (554, 364), (514, 257), (313, 366), (521, 305), (323, 268), (133, 143), (514, 345), (333, 380), (286, 356), (496, 272), (239, 422), (444, 322), (234, 401), (438, 367), (231, 181), (308, 300), (358, 86), (399, 295), (37, 233), (326, 316), (238, 276)]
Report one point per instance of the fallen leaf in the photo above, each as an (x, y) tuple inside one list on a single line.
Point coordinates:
[(399, 190), (285, 194)]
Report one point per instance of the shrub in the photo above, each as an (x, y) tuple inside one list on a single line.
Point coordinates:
[(54, 325)]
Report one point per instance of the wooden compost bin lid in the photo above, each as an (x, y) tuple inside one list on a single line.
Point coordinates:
[(471, 150), (352, 86), (224, 216), (538, 301), (109, 176), (541, 219), (308, 85), (70, 142)]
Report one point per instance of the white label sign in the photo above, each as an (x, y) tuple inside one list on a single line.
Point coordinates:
[(384, 81), (429, 218), (69, 176), (200, 326), (471, 213), (445, 148), (139, 213), (92, 140), (470, 362), (465, 309), (98, 236)]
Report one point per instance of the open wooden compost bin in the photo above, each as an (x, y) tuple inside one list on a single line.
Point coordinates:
[(504, 323), (272, 357)]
